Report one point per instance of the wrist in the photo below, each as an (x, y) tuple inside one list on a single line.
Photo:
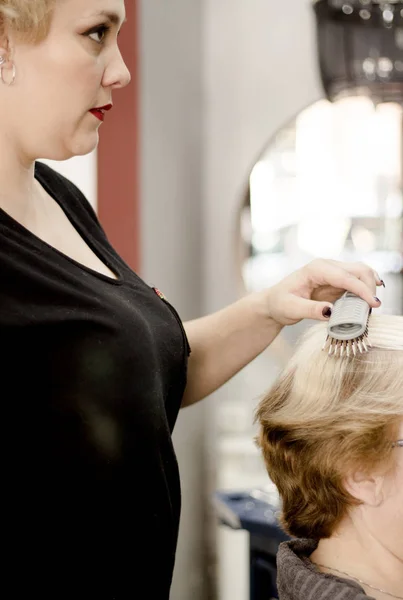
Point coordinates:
[(264, 308)]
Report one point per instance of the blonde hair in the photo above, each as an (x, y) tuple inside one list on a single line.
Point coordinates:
[(28, 19), (325, 417)]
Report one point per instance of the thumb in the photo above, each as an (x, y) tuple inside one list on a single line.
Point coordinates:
[(312, 309)]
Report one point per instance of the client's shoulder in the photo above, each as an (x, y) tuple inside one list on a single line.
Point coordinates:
[(298, 578)]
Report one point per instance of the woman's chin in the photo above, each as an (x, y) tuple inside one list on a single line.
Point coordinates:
[(84, 146)]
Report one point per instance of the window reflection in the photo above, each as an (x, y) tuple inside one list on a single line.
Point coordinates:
[(330, 185)]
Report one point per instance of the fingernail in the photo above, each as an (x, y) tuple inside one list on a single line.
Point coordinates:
[(383, 283), (377, 299), (327, 312)]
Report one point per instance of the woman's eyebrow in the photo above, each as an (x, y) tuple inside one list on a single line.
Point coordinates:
[(113, 17)]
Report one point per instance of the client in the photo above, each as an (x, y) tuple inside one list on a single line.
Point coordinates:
[(331, 433)]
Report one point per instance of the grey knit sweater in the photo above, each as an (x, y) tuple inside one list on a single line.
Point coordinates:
[(299, 579)]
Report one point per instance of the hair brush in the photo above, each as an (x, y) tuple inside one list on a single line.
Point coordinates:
[(348, 327)]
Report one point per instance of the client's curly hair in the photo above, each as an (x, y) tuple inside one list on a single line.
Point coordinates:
[(326, 417), (29, 19)]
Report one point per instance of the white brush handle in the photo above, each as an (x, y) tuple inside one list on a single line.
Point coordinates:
[(349, 318)]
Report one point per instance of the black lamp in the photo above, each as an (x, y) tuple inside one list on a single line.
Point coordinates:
[(360, 47)]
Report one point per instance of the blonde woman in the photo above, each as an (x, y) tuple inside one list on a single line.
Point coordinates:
[(331, 432), (94, 362)]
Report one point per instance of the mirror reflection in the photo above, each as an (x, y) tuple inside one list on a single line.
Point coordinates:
[(329, 184)]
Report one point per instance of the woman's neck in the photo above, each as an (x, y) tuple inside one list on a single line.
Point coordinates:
[(17, 181), (19, 191), (360, 555)]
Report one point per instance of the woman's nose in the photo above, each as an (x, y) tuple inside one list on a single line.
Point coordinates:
[(117, 75)]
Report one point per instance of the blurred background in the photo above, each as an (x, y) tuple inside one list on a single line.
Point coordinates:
[(256, 135)]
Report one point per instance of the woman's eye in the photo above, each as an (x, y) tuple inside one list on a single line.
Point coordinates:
[(101, 32)]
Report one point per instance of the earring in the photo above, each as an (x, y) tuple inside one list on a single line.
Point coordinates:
[(2, 63)]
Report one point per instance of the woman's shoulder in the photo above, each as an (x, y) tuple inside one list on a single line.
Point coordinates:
[(298, 578)]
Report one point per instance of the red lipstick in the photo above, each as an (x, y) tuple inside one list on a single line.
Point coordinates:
[(99, 113)]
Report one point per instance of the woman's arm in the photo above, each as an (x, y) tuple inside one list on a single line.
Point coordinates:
[(226, 341)]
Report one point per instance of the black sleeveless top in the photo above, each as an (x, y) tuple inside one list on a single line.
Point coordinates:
[(93, 371)]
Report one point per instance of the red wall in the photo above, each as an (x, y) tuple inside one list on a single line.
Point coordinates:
[(118, 155)]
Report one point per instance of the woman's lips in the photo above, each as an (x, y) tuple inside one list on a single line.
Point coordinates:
[(99, 113)]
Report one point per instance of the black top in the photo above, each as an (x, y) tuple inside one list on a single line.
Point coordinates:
[(93, 372)]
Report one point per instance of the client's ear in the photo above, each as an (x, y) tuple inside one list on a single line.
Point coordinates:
[(365, 487)]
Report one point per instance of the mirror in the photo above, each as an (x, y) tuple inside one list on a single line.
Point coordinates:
[(329, 184)]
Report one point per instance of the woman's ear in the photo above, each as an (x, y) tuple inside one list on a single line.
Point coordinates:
[(369, 489), (5, 47)]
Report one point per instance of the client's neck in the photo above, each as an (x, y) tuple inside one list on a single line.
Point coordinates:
[(358, 552)]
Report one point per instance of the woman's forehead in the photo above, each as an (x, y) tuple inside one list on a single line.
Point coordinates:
[(112, 9)]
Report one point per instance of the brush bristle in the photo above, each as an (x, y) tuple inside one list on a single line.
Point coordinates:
[(348, 348)]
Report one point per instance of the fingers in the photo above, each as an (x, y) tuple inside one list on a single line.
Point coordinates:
[(356, 278), (359, 288), (309, 309), (363, 272)]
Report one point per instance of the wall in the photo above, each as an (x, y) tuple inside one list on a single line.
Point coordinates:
[(218, 78), (260, 71), (172, 120)]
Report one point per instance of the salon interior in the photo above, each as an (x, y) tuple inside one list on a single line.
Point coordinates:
[(256, 135)]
